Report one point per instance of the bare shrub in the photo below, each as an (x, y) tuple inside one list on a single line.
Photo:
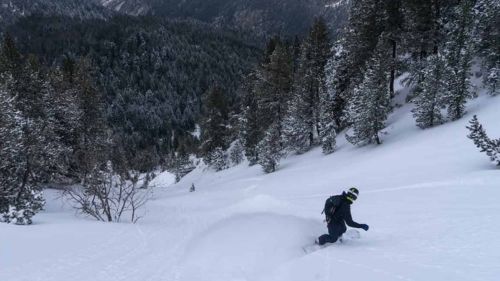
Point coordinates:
[(109, 196)]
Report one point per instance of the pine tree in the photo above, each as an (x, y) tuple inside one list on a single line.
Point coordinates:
[(301, 125), (332, 104), (274, 85), (66, 104), (492, 80), (423, 27), (273, 94), (251, 127), (93, 143), (328, 128), (181, 164), (334, 86), (483, 142), (429, 102), (362, 34), (215, 127), (370, 104), (270, 149), (296, 126), (422, 37), (393, 28), (486, 32), (10, 148), (33, 151), (236, 153), (458, 55), (37, 149), (217, 159), (10, 58)]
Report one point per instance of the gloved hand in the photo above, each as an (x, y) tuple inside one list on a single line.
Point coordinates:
[(365, 227)]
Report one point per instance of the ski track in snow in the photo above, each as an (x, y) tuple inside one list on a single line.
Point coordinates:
[(430, 198)]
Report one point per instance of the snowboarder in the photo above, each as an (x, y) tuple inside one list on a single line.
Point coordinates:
[(338, 214)]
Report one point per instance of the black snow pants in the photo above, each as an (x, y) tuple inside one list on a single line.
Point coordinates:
[(335, 230)]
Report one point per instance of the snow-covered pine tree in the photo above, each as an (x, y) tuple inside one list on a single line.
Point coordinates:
[(422, 38), (422, 23), (370, 104), (492, 80), (429, 102), (393, 29), (458, 56), (489, 146), (297, 133), (91, 152), (251, 127), (271, 149), (10, 148), (66, 109), (33, 149), (181, 164), (215, 128), (273, 94), (362, 35), (218, 159), (328, 107), (328, 133), (335, 85), (486, 32), (236, 153), (274, 86), (301, 125)]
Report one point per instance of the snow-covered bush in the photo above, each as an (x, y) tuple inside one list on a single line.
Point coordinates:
[(22, 209)]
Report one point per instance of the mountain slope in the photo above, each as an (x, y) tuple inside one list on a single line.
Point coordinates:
[(430, 198), (11, 10), (261, 17)]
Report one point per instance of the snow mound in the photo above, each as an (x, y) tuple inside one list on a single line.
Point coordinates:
[(163, 180), (235, 248)]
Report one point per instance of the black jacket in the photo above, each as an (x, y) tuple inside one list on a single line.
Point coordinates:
[(342, 212)]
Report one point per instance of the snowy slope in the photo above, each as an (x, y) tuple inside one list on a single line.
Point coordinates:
[(431, 200)]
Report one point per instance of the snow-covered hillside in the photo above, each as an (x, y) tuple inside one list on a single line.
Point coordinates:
[(430, 198)]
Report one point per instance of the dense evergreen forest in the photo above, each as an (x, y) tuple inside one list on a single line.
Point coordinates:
[(152, 72), (85, 100), (262, 18)]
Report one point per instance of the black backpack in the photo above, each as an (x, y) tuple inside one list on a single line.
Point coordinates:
[(330, 205)]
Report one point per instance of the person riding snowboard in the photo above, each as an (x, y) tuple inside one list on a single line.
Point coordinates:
[(338, 214)]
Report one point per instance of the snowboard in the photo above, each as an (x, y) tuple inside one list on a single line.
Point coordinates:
[(349, 235)]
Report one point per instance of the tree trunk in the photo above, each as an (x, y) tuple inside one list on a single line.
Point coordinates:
[(25, 181), (437, 27), (393, 68)]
